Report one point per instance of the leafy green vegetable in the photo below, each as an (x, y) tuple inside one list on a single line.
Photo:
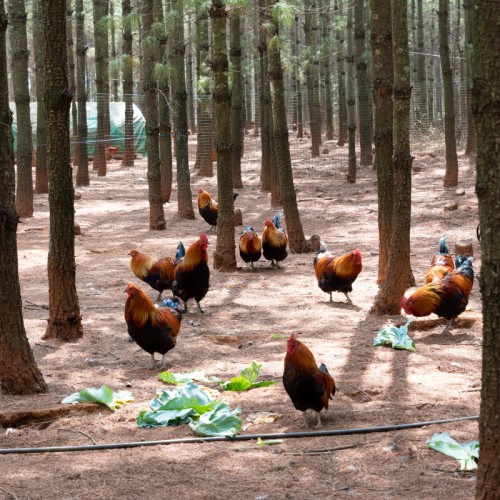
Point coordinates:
[(467, 454), (395, 337), (247, 379), (189, 404), (113, 400), (182, 378)]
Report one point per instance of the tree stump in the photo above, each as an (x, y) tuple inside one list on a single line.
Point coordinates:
[(464, 247), (238, 217)]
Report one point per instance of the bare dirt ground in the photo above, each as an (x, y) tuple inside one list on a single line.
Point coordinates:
[(376, 386)]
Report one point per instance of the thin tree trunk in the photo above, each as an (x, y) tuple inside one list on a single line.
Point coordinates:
[(190, 80), (82, 174), (451, 174), (41, 174), (486, 107), (423, 107), (72, 83), (298, 85), (18, 371), (342, 98), (19, 63), (296, 239), (431, 108), (326, 51), (115, 74), (156, 214), (470, 148), (351, 100), (225, 255), (65, 322)]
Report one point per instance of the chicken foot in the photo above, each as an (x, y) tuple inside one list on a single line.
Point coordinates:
[(200, 310), (449, 324), (349, 301)]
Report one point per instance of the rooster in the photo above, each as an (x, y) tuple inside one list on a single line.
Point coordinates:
[(250, 246), (154, 330), (192, 275), (111, 151), (274, 241), (208, 207), (447, 298), (308, 386), (158, 274), (337, 274), (441, 264)]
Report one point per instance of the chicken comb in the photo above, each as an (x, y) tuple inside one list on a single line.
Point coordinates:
[(203, 238)]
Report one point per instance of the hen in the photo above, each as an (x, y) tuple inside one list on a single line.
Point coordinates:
[(441, 264), (337, 274), (274, 241), (154, 330), (208, 207), (308, 386), (158, 274), (447, 298), (192, 275), (250, 246)]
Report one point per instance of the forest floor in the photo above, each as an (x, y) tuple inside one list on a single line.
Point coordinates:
[(244, 310)]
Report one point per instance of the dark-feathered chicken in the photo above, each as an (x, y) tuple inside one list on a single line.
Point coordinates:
[(154, 330), (442, 263), (274, 241), (250, 246), (308, 386), (447, 298), (192, 275), (208, 207), (337, 274)]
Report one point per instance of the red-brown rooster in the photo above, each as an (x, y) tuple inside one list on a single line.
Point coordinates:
[(154, 330), (274, 241), (250, 246), (208, 207), (442, 263), (308, 386), (447, 298), (158, 274), (192, 275), (337, 274)]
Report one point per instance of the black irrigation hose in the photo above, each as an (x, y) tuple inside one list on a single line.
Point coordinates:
[(243, 437)]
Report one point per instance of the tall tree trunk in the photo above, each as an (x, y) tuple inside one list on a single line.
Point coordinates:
[(365, 129), (72, 83), (236, 98), (18, 371), (451, 174), (326, 51), (128, 86), (423, 106), (431, 103), (65, 322), (115, 73), (191, 80), (156, 214), (296, 239), (184, 197), (82, 174), (19, 61), (486, 107), (470, 147), (225, 255), (341, 84), (41, 174), (100, 11), (312, 76), (351, 100), (298, 84), (388, 299), (205, 140), (383, 78)]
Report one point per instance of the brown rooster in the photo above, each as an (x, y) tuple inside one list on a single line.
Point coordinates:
[(337, 274), (250, 246), (154, 330), (208, 207), (447, 298), (308, 386), (274, 241), (158, 274), (192, 275), (442, 263)]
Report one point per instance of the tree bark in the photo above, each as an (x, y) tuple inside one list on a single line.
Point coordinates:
[(225, 255), (451, 174), (342, 99), (115, 74), (383, 78), (326, 51), (19, 63), (470, 148), (351, 100), (299, 121), (388, 299), (65, 322), (486, 108), (72, 83), (18, 371), (82, 174)]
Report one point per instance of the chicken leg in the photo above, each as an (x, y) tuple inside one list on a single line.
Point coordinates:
[(446, 330), (349, 301), (200, 310), (153, 362)]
